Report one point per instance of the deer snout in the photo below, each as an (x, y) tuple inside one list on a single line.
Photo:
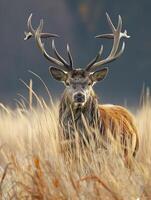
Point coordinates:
[(79, 97)]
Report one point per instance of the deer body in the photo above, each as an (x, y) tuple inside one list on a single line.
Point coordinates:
[(79, 104), (119, 120), (106, 118)]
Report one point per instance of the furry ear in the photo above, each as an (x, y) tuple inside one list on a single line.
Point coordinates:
[(99, 75), (58, 74)]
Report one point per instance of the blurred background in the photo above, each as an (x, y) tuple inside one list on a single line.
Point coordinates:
[(77, 22)]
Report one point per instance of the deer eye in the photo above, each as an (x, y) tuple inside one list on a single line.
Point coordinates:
[(67, 83)]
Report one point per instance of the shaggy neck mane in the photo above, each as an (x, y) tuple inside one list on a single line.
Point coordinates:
[(71, 116)]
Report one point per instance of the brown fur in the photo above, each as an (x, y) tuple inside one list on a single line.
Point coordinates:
[(109, 118), (119, 120)]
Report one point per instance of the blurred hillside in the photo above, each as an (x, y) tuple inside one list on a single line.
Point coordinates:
[(77, 22)]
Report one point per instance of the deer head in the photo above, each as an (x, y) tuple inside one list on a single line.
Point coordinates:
[(79, 82)]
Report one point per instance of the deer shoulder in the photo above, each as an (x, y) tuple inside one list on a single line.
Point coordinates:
[(118, 120)]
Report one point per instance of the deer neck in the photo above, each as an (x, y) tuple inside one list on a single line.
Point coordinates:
[(78, 117)]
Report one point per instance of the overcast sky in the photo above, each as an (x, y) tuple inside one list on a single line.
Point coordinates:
[(77, 22)]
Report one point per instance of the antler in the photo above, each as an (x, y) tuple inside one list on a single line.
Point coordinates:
[(114, 54), (32, 31), (38, 34)]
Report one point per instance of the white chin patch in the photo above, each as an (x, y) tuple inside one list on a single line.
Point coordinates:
[(79, 104)]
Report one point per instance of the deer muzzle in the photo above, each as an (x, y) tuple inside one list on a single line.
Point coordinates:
[(79, 97)]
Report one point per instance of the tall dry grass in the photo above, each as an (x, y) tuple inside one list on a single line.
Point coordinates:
[(35, 164)]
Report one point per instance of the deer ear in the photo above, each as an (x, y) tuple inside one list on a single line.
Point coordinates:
[(99, 75), (58, 74)]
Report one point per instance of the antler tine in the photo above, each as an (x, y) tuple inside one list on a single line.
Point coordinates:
[(31, 32), (29, 25), (121, 51), (107, 36), (30, 28), (58, 55), (110, 23), (116, 35), (41, 47), (69, 56), (97, 57)]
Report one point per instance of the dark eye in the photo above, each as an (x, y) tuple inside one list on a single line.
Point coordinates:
[(67, 83), (89, 83)]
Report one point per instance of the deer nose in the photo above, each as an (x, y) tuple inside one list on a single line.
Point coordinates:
[(79, 97)]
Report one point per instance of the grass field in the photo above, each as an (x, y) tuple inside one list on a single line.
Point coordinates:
[(34, 164)]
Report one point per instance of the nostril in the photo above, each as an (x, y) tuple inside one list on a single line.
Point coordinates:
[(79, 97)]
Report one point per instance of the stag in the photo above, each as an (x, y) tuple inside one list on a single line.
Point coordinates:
[(79, 104)]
